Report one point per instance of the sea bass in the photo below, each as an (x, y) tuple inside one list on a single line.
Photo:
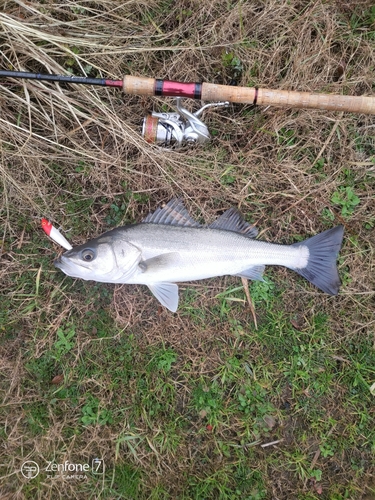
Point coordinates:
[(169, 246)]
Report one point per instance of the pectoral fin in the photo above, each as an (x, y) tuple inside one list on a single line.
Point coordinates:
[(166, 293), (160, 262)]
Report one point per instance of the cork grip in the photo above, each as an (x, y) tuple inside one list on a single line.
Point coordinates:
[(136, 85), (290, 99)]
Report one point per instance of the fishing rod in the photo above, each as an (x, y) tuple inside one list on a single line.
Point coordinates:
[(185, 126)]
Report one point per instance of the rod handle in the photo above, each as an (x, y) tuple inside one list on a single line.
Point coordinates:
[(249, 95), (288, 98)]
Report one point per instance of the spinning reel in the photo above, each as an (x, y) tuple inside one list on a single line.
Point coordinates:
[(179, 128)]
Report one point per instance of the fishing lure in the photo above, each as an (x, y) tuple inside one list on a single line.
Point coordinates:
[(55, 234)]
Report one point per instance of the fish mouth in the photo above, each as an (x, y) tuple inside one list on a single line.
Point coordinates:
[(73, 269), (66, 266)]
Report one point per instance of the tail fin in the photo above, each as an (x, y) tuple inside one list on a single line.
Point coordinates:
[(321, 268)]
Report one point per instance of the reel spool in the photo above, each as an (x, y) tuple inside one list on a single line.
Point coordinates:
[(177, 129)]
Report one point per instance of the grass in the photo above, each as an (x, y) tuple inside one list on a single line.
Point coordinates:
[(199, 404)]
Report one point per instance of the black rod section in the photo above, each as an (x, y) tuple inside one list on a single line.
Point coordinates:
[(61, 78)]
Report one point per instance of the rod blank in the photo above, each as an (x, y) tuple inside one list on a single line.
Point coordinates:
[(85, 80)]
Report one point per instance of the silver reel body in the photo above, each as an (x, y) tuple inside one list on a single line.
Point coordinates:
[(177, 129)]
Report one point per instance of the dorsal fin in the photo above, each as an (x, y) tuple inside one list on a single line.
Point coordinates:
[(173, 213), (231, 220)]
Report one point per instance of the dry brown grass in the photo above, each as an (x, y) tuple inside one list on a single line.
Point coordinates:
[(70, 152)]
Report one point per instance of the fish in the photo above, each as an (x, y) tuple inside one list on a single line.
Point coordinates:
[(170, 247)]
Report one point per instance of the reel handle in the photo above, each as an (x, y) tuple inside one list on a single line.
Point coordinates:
[(249, 95)]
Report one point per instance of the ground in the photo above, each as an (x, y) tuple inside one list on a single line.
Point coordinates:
[(203, 403)]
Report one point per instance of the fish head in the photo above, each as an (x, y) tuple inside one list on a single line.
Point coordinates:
[(106, 259)]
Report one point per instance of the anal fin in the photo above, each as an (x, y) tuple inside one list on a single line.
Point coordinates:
[(252, 273)]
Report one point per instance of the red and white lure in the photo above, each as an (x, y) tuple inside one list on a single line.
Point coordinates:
[(54, 234)]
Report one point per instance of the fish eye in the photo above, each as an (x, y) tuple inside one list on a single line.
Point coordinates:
[(88, 255)]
